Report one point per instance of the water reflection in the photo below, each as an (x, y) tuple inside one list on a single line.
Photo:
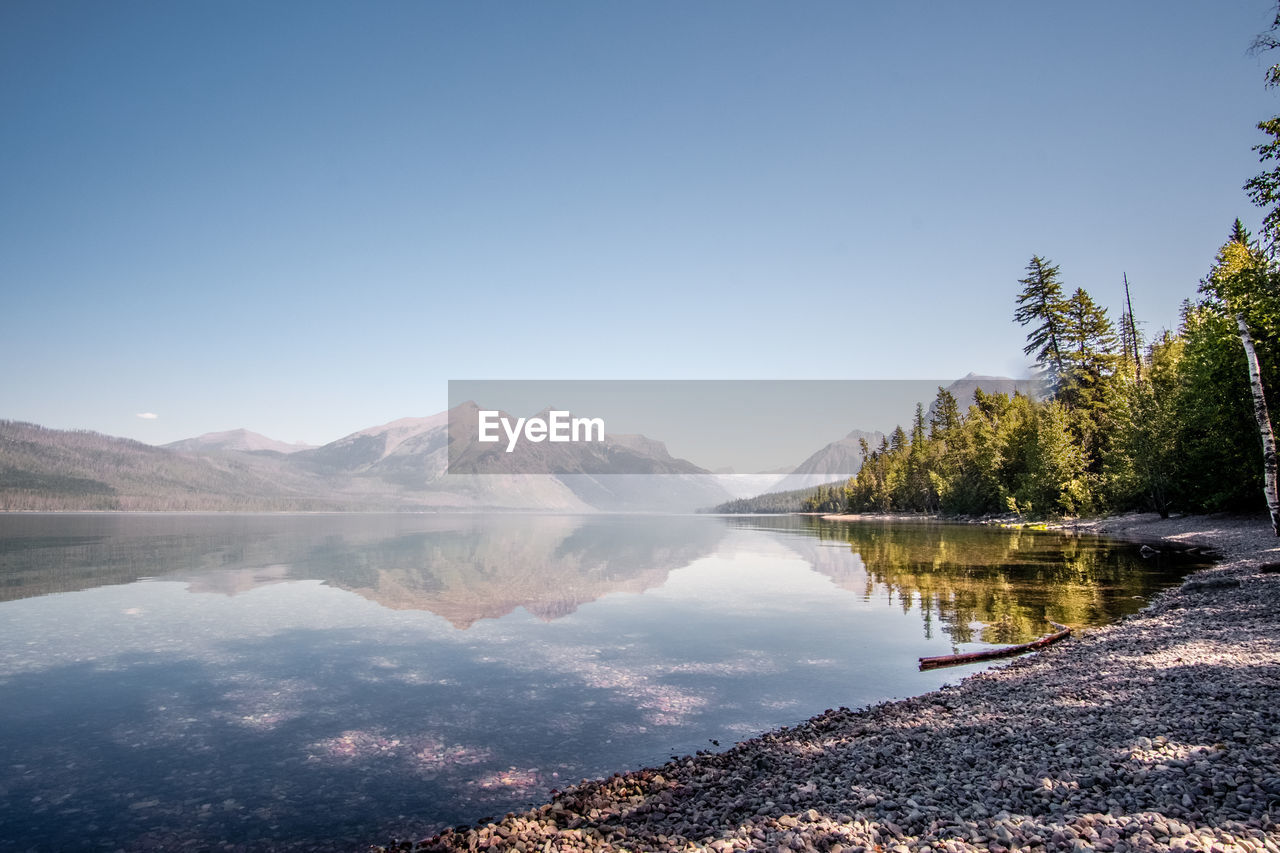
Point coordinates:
[(322, 682), (987, 585), (462, 567), (976, 584)]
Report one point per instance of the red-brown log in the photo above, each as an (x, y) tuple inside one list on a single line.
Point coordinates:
[(991, 654)]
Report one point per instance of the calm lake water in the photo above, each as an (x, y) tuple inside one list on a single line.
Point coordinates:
[(330, 681)]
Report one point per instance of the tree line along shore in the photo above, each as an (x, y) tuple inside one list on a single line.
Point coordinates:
[(1166, 425), (1177, 420)]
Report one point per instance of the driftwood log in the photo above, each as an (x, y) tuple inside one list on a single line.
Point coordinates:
[(992, 654)]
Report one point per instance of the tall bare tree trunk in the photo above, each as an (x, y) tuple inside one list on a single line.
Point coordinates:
[(1132, 333), (1263, 417)]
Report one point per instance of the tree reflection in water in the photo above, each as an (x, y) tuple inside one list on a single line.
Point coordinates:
[(984, 584)]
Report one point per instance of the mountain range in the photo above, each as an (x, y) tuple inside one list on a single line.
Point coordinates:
[(395, 466), (236, 439)]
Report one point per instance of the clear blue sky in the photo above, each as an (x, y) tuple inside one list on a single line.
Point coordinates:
[(304, 218)]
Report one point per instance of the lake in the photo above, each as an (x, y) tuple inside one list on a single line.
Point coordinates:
[(323, 682)]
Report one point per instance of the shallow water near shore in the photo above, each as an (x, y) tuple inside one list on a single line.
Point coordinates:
[(330, 681)]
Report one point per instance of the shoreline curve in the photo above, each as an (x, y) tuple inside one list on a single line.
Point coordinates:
[(1159, 732)]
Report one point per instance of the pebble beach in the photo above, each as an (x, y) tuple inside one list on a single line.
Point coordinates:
[(1161, 732)]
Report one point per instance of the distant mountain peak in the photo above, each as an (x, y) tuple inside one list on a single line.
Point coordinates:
[(963, 388), (406, 426), (235, 439)]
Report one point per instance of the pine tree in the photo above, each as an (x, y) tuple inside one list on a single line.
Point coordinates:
[(945, 416), (1143, 465), (1216, 431), (1041, 303), (1264, 189), (1240, 280), (920, 495), (897, 439), (1053, 470), (1090, 338)]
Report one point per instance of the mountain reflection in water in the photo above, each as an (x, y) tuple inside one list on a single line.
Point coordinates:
[(327, 681), (978, 584), (462, 567)]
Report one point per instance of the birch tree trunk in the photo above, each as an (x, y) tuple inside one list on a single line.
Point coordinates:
[(1264, 424)]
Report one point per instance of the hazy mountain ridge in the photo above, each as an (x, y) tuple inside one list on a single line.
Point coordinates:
[(236, 439), (400, 465), (395, 466), (963, 388), (48, 469), (842, 459), (364, 449), (838, 460)]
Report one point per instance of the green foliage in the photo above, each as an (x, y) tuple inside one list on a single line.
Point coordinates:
[(1171, 428), (828, 498), (1041, 306), (1264, 189), (1052, 477), (1090, 339), (1216, 438), (1142, 464), (1168, 429), (1007, 451)]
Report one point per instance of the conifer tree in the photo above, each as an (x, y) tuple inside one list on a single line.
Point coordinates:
[(1041, 306), (945, 416), (1089, 336), (1143, 464), (1215, 442), (1264, 189), (897, 439), (1240, 280)]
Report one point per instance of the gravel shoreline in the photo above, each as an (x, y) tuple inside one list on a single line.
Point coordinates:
[(1161, 732)]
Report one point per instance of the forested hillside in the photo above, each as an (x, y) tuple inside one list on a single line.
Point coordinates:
[(47, 469), (829, 497), (1177, 422), (1165, 424)]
